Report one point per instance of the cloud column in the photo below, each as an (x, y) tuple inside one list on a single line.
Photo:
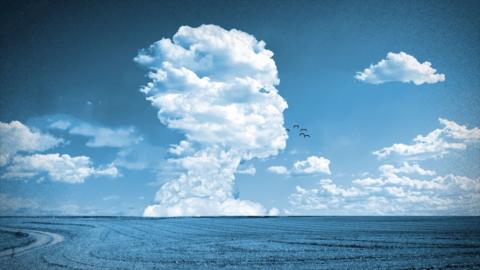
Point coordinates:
[(218, 88)]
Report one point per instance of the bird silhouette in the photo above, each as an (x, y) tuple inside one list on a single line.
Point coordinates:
[(306, 136), (302, 134), (288, 130), (303, 130), (296, 126)]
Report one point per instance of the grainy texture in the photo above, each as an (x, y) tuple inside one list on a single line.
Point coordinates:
[(246, 243)]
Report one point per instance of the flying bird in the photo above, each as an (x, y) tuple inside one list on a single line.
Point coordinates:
[(306, 136), (302, 134), (303, 130), (296, 126), (288, 130)]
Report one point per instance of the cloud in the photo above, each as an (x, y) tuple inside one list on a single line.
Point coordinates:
[(250, 170), (216, 86), (406, 168), (400, 67), (99, 136), (312, 165), (58, 168), (395, 191), (9, 204), (16, 137), (437, 143), (278, 169)]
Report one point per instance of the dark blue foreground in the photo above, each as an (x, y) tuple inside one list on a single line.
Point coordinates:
[(240, 243)]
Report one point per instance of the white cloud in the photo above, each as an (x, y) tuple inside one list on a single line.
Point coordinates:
[(400, 67), (194, 206), (437, 143), (406, 168), (106, 137), (59, 168), (250, 170), (278, 169), (312, 165), (218, 88), (16, 137), (273, 212), (392, 192), (60, 124)]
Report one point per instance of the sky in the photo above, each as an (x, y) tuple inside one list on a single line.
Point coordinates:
[(187, 108)]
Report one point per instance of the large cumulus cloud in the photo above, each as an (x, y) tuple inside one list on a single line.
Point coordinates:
[(217, 86)]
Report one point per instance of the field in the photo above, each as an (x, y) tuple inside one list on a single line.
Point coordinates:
[(240, 243)]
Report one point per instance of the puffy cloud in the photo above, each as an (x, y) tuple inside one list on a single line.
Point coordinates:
[(400, 67), (437, 143), (217, 86), (312, 165), (59, 168), (393, 192), (278, 169), (16, 137), (406, 168), (195, 206)]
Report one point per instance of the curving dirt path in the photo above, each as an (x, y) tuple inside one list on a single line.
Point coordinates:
[(42, 239)]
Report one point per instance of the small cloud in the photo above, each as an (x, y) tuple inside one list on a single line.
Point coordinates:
[(400, 67), (248, 170), (273, 212), (99, 136), (278, 169), (60, 124), (312, 165)]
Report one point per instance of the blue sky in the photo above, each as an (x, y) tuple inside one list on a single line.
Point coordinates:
[(71, 79)]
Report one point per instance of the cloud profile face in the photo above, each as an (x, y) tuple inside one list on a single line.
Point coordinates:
[(400, 67), (218, 88)]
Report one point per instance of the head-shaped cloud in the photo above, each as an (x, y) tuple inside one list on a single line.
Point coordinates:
[(218, 88)]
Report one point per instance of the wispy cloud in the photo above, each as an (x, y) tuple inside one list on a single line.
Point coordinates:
[(99, 136), (17, 137), (451, 136), (400, 67)]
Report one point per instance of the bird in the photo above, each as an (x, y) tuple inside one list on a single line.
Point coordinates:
[(288, 130), (302, 134), (303, 130), (306, 136), (296, 126)]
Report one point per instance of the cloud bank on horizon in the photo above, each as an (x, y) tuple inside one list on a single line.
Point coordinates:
[(400, 67), (404, 189), (217, 86)]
